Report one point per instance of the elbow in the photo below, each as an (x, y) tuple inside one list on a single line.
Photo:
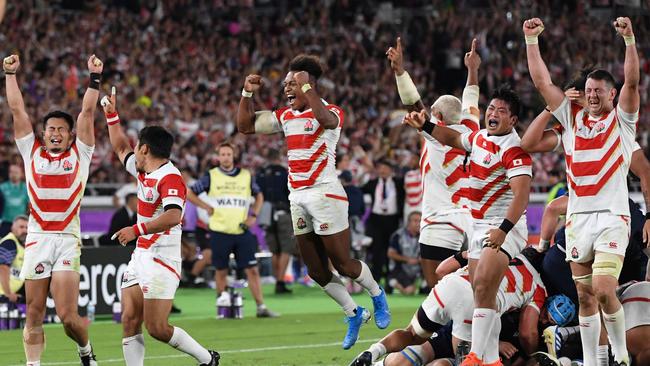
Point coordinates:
[(244, 128), (526, 144)]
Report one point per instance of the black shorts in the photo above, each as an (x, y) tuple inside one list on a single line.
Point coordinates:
[(440, 341), (202, 238), (243, 245), (279, 236), (435, 253)]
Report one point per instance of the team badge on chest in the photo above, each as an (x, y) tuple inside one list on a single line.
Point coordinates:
[(67, 165), (487, 159), (309, 126), (149, 195)]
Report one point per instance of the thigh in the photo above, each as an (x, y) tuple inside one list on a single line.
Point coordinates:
[(132, 301), (65, 291), (68, 254), (614, 234), (36, 298), (581, 231), (312, 251), (222, 246), (156, 311), (477, 241), (245, 249), (337, 246)]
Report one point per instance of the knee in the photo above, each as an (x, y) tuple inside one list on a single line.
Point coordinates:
[(252, 271), (603, 294), (345, 268), (35, 313), (321, 277), (586, 298), (159, 330), (131, 323), (481, 289), (68, 318)]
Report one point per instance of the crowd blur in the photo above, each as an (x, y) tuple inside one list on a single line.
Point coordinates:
[(181, 63)]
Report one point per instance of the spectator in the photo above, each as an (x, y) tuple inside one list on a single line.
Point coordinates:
[(15, 196), (404, 255), (124, 217), (387, 197), (119, 197), (413, 189), (230, 189), (273, 180), (12, 250)]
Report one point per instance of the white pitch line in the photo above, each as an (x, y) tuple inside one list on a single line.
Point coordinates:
[(182, 355)]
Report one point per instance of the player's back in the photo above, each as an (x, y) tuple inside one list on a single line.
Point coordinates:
[(521, 286), (311, 148)]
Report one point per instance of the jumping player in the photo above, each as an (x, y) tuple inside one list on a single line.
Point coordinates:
[(56, 171), (153, 273), (598, 142), (319, 205)]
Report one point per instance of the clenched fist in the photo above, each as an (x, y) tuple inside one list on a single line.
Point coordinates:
[(253, 83), (533, 27), (623, 26), (95, 65), (11, 64)]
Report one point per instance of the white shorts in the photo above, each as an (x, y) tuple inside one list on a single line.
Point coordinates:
[(635, 300), (451, 299), (451, 231), (51, 252), (587, 233), (515, 241), (157, 276), (322, 209)]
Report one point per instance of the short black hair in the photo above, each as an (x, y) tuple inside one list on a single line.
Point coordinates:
[(309, 63), (159, 140), (129, 196), (506, 94), (273, 154), (59, 114), (580, 78), (600, 74)]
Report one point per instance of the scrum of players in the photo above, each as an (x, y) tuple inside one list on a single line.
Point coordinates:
[(493, 298)]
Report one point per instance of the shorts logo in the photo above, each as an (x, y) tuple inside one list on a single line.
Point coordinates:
[(574, 253), (66, 262), (149, 195), (39, 268), (613, 245), (301, 224), (67, 166), (324, 227), (145, 289), (309, 126), (487, 159), (125, 278)]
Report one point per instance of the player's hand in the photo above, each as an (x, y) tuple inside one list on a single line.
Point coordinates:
[(573, 94), (12, 297), (11, 64), (396, 57), (415, 119), (110, 103), (495, 238), (506, 349), (250, 221), (209, 210), (623, 26), (413, 261), (301, 78), (472, 58), (253, 83), (646, 232), (125, 235), (533, 27), (95, 64)]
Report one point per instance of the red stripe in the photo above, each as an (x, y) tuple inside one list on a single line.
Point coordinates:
[(55, 225), (482, 172), (147, 209), (427, 168), (414, 194), (167, 266), (147, 243), (479, 214), (470, 124), (477, 195), (305, 165), (27, 245), (426, 220), (53, 205), (60, 181), (586, 168), (511, 281), (467, 321), (342, 198), (423, 157), (461, 193), (593, 189), (487, 145), (451, 155), (598, 141), (312, 178), (304, 141), (636, 299), (527, 276), (413, 184), (438, 298), (456, 175)]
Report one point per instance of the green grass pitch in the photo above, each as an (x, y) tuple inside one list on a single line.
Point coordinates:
[(309, 332)]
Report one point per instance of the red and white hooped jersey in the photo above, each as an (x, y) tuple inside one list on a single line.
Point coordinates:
[(311, 148), (598, 152), (55, 185), (445, 176), (494, 160), (161, 188), (413, 190)]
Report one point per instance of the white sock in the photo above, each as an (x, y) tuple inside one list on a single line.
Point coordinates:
[(337, 291), (377, 350), (615, 325), (589, 334), (602, 355), (261, 307), (85, 350), (133, 350), (366, 280), (33, 363), (185, 343), (482, 322), (492, 348)]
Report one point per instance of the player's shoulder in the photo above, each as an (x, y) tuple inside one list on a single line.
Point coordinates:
[(168, 170), (280, 112)]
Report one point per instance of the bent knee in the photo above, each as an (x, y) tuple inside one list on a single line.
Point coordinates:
[(160, 331)]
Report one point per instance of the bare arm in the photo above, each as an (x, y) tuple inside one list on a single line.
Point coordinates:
[(192, 197), (86, 119), (324, 116), (629, 99), (116, 135), (537, 138), (640, 166), (405, 87), (166, 221), (520, 186), (528, 333), (4, 279), (257, 205), (444, 135), (449, 265), (537, 68), (552, 212), (22, 124), (246, 111)]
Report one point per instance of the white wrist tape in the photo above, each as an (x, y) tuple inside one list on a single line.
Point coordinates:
[(408, 93), (246, 94), (629, 40), (532, 40), (470, 97)]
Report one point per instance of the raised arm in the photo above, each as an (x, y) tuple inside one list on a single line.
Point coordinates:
[(537, 138), (119, 141), (249, 121), (86, 119), (640, 166), (406, 89), (629, 99), (444, 135), (22, 124), (471, 92), (536, 66), (325, 117)]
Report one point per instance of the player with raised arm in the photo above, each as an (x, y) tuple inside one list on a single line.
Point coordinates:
[(598, 142), (319, 204), (446, 224), (56, 170), (500, 175), (153, 273)]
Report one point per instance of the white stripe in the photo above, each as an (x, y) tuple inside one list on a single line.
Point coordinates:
[(113, 119), (182, 355)]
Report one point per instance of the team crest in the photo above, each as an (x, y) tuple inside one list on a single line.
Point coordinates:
[(39, 268), (149, 195), (599, 126), (324, 227), (67, 165), (301, 224), (574, 253), (487, 159), (309, 126)]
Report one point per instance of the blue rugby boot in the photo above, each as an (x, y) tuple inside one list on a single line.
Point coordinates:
[(354, 325)]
